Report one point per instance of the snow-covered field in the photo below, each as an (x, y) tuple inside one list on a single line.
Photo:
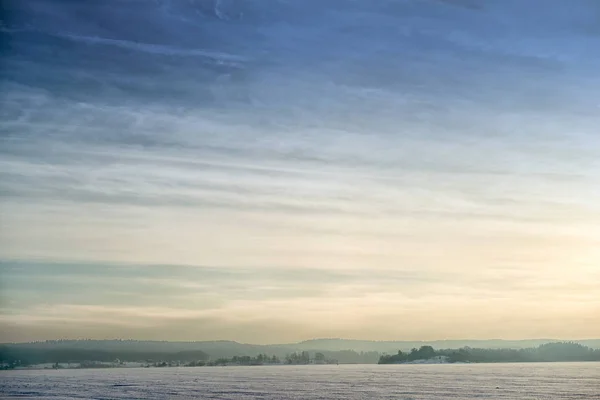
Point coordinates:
[(423, 382)]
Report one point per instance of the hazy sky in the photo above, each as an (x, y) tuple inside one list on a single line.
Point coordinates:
[(273, 171)]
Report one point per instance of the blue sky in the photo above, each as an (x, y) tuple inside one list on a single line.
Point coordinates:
[(269, 171)]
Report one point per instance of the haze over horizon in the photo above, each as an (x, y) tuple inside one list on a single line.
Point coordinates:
[(274, 171)]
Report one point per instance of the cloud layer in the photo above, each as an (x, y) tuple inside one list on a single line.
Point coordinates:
[(336, 161)]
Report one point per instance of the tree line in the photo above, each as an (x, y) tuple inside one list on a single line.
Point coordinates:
[(15, 356), (11, 356), (550, 352)]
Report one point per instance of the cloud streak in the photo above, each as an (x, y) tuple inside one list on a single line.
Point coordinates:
[(386, 158), (151, 300)]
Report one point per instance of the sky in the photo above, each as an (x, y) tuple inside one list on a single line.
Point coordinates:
[(274, 171)]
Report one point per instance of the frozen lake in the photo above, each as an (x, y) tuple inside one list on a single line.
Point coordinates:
[(466, 381)]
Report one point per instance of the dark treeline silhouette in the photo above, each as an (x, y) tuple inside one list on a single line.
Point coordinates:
[(216, 349), (22, 356), (25, 355), (550, 352), (261, 359), (346, 351), (295, 358), (353, 357), (12, 356), (299, 358)]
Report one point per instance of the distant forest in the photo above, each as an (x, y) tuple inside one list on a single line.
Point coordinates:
[(550, 352), (115, 353), (16, 356)]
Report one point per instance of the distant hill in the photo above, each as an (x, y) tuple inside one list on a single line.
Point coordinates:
[(220, 348), (23, 355), (227, 349), (134, 350)]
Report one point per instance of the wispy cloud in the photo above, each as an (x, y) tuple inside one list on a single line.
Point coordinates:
[(151, 300), (381, 156)]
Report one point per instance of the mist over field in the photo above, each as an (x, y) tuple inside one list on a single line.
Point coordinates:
[(272, 171)]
